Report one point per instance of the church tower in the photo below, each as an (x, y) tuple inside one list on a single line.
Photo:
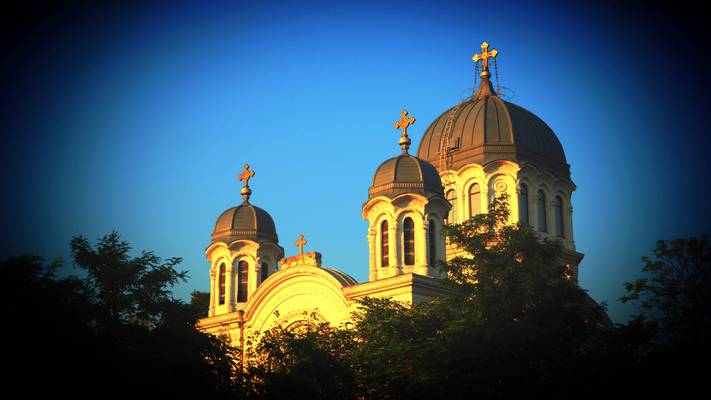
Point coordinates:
[(243, 253), (486, 146), (405, 210)]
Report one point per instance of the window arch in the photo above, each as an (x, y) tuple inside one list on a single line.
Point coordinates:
[(384, 244), (542, 217), (242, 275), (523, 204), (432, 243), (221, 283), (264, 272), (451, 197), (558, 215), (474, 200), (409, 241)]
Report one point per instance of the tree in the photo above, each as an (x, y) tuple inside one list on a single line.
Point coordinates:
[(514, 324), (125, 289), (671, 336), (117, 330), (676, 294), (200, 303)]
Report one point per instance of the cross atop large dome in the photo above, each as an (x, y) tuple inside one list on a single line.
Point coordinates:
[(485, 128)]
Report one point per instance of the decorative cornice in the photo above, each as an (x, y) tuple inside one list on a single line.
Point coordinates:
[(395, 282)]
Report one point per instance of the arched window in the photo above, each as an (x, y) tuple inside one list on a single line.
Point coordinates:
[(409, 241), (433, 243), (221, 283), (523, 204), (474, 200), (384, 245), (242, 275), (452, 199), (558, 214), (264, 272), (542, 224)]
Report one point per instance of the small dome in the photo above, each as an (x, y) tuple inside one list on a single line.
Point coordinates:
[(245, 222), (487, 128), (405, 174)]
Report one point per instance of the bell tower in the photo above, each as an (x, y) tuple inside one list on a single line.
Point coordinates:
[(243, 253), (405, 210)]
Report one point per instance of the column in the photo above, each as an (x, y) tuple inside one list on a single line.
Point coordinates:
[(213, 292), (229, 287)]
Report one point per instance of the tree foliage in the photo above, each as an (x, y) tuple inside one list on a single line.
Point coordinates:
[(676, 294), (514, 324), (116, 330)]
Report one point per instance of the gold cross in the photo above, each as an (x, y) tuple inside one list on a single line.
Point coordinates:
[(300, 243), (485, 55), (404, 123), (246, 175)]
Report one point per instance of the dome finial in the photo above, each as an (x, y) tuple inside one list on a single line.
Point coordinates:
[(403, 123), (245, 176), (485, 88)]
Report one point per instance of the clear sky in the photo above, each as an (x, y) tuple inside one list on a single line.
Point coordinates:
[(139, 119)]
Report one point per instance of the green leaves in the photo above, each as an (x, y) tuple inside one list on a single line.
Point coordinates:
[(676, 294), (126, 289)]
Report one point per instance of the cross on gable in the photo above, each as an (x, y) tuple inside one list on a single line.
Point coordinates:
[(301, 242)]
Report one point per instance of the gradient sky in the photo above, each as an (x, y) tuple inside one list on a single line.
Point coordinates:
[(139, 118)]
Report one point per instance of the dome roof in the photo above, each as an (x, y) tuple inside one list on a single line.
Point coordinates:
[(405, 174), (244, 222), (487, 128)]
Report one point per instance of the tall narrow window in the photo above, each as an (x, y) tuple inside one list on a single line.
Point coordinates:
[(433, 243), (474, 200), (409, 241), (542, 224), (264, 272), (558, 214), (242, 275), (221, 283), (384, 245), (523, 204), (452, 199)]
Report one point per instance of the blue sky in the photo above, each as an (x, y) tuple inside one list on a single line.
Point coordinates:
[(139, 119)]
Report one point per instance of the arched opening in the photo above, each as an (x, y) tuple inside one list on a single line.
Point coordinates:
[(542, 218), (242, 276), (221, 283), (409, 241), (264, 272), (384, 245), (432, 243), (523, 204), (558, 215), (451, 197), (474, 200)]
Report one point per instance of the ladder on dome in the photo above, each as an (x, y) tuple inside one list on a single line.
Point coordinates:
[(445, 151)]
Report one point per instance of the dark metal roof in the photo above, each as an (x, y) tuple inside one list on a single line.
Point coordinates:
[(244, 222), (342, 277), (487, 128), (405, 174)]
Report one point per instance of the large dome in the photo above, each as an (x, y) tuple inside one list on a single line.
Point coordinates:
[(244, 222), (487, 128), (405, 174)]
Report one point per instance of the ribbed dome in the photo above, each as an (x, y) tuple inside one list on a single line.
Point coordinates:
[(487, 128), (405, 174), (244, 222)]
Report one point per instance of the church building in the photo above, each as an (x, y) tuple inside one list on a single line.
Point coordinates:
[(478, 149)]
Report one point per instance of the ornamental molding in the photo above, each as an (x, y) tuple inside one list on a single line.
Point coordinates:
[(392, 283), (282, 277)]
